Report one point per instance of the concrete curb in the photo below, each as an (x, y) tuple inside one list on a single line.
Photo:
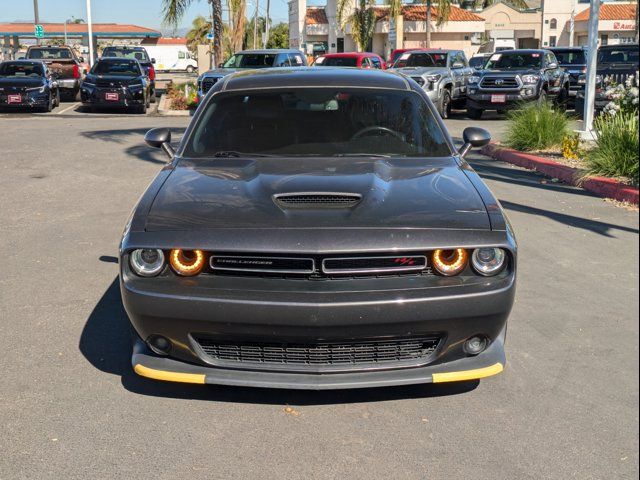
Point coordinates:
[(601, 186), (164, 111)]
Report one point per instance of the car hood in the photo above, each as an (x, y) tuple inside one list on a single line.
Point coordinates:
[(502, 73), (221, 72), (395, 193), (412, 71), (21, 82)]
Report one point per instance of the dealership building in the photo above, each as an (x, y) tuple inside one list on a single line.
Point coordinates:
[(544, 23)]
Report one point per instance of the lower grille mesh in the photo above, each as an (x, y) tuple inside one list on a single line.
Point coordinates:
[(322, 354)]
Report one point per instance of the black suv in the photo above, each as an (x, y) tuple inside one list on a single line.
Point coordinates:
[(513, 77), (139, 54), (574, 61)]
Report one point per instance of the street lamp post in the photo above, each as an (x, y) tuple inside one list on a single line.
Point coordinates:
[(90, 32), (592, 60), (36, 17)]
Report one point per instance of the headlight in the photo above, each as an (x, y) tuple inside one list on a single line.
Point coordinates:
[(36, 89), (89, 84), (529, 79), (488, 261), (434, 78), (474, 79), (449, 262), (135, 86), (186, 262), (147, 262)]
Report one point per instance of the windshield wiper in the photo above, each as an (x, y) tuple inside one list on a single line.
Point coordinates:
[(236, 154)]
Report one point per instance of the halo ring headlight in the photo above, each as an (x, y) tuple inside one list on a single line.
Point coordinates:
[(488, 261), (186, 262), (147, 262), (450, 262)]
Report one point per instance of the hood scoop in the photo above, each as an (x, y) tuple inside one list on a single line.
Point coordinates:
[(316, 200)]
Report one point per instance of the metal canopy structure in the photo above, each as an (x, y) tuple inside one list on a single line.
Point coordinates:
[(76, 30)]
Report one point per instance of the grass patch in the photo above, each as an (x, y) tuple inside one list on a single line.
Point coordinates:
[(536, 127), (616, 150)]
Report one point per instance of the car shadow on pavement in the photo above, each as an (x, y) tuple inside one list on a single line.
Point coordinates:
[(106, 343), (139, 151)]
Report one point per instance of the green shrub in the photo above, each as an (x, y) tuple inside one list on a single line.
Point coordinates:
[(616, 150), (536, 127)]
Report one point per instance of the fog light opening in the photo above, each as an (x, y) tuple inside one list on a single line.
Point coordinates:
[(476, 345), (159, 345)]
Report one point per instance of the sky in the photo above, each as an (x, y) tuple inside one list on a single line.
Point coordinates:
[(146, 13)]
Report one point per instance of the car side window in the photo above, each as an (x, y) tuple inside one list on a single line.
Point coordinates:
[(295, 60), (181, 55), (463, 59), (282, 61), (376, 62), (366, 63)]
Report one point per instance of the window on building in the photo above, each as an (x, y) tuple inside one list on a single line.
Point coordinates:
[(552, 41), (553, 24), (604, 39)]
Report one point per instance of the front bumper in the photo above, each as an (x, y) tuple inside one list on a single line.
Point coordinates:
[(513, 99), (37, 100), (97, 97), (308, 312)]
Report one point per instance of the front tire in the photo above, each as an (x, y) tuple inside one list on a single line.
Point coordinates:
[(445, 104), (475, 113)]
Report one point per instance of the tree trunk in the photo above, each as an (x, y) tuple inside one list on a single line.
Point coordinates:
[(428, 25), (217, 30)]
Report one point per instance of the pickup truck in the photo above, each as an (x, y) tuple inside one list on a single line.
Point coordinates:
[(442, 74), (136, 53), (515, 77), (64, 65)]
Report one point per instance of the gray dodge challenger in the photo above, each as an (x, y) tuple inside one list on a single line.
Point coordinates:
[(317, 229)]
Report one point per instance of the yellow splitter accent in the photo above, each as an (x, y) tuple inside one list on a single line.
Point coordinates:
[(436, 377), (467, 374)]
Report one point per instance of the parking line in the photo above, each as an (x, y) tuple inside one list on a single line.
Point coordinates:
[(68, 108)]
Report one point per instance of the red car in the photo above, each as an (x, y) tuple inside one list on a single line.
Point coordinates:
[(351, 59)]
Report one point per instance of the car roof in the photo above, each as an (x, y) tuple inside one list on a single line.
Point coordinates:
[(525, 50), (25, 60), (350, 55), (304, 77), (619, 46), (124, 47), (566, 49), (116, 59)]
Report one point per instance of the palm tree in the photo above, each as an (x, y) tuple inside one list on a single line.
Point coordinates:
[(200, 28), (361, 17), (442, 10), (237, 12), (174, 10)]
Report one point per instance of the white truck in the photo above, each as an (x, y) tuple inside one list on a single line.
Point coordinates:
[(172, 58)]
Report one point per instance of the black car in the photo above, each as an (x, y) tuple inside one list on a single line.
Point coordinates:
[(140, 54), (574, 61), (116, 82), (512, 78), (28, 84), (317, 229)]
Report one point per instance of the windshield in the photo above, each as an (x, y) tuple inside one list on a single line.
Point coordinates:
[(336, 61), (421, 60), (621, 55), (514, 61), (9, 69), (133, 54), (50, 53), (317, 122), (570, 57), (117, 67), (251, 60)]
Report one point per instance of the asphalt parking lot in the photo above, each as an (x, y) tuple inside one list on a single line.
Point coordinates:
[(566, 405)]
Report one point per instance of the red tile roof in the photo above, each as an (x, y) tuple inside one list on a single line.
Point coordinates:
[(75, 28), (611, 11), (418, 13), (316, 16), (164, 41)]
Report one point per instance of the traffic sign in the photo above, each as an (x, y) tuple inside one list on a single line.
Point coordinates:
[(38, 30)]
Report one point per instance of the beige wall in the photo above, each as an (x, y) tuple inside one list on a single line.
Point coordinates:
[(449, 41), (503, 21)]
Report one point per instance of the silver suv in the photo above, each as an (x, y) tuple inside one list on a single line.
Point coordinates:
[(442, 74), (250, 59)]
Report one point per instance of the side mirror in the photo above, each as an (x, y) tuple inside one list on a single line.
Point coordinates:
[(160, 138), (81, 59), (457, 65), (153, 60), (552, 66), (473, 137)]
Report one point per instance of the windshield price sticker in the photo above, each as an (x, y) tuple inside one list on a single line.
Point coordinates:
[(405, 56), (535, 55), (495, 57)]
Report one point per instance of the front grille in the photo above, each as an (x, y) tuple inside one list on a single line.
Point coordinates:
[(317, 200), (363, 265), (259, 264), (109, 84), (207, 83), (418, 80), (325, 355), (499, 82)]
